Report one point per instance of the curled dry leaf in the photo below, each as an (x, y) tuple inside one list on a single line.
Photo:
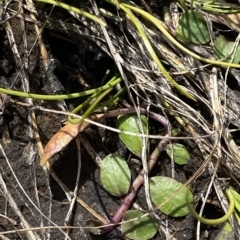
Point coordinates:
[(63, 137)]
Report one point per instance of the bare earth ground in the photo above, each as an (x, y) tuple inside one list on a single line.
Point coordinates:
[(27, 181)]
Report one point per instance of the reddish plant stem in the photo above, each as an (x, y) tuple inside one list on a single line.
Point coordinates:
[(68, 132), (127, 201), (152, 115)]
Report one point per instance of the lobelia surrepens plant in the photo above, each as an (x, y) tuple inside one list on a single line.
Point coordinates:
[(67, 133), (171, 197), (152, 159), (159, 190), (70, 131)]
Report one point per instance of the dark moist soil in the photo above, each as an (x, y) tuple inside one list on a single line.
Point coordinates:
[(45, 193)]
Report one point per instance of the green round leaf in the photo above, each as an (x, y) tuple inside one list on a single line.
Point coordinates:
[(224, 50), (178, 152), (192, 28), (161, 188), (131, 123), (115, 175), (141, 229)]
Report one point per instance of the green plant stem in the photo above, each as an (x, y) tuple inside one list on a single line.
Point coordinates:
[(158, 24), (81, 106), (139, 180), (90, 110), (62, 96), (74, 9), (216, 7), (218, 220), (85, 103), (151, 51), (109, 103)]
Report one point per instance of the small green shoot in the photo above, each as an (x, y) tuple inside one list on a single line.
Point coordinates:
[(228, 51), (131, 123), (94, 102), (93, 225), (91, 108), (115, 175), (193, 28), (161, 188), (217, 7), (142, 228), (237, 204), (178, 153)]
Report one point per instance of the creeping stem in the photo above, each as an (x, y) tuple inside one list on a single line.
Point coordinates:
[(218, 220), (62, 96)]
